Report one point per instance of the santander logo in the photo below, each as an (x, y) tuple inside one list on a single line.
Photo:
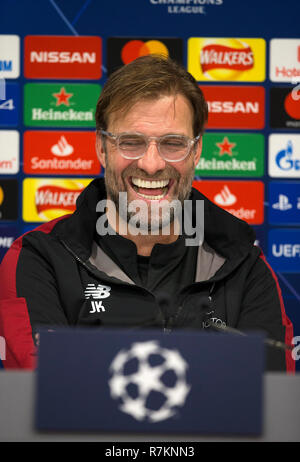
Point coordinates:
[(62, 148), (225, 197)]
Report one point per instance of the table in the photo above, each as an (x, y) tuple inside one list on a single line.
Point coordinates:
[(17, 388)]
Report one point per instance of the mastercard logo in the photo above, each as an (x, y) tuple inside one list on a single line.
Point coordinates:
[(136, 48), (1, 195)]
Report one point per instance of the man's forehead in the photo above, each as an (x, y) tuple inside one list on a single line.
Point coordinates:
[(171, 105)]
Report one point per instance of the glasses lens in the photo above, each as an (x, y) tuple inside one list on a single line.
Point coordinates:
[(174, 147), (132, 145)]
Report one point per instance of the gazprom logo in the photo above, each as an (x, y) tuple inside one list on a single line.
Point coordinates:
[(284, 159), (284, 155)]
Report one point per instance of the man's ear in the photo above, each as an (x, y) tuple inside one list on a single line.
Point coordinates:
[(100, 149), (198, 151)]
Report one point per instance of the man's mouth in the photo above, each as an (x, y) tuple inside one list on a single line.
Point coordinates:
[(151, 189)]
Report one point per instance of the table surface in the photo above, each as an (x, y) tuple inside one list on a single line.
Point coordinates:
[(17, 388)]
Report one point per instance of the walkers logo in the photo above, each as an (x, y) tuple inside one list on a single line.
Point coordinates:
[(62, 57), (97, 293), (10, 106), (284, 60), (60, 105), (9, 152), (60, 153), (229, 59), (231, 154), (122, 51), (284, 156), (284, 203), (8, 199), (284, 250), (8, 235), (45, 198), (235, 107), (244, 199), (285, 108), (9, 56)]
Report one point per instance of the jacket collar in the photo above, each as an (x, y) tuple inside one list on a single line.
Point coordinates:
[(229, 236)]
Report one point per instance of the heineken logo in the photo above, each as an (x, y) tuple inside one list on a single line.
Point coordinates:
[(60, 105), (62, 97), (225, 147), (230, 154)]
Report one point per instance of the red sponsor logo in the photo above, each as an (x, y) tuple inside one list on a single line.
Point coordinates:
[(224, 57), (55, 197), (62, 57), (292, 104), (60, 153), (235, 106), (243, 199)]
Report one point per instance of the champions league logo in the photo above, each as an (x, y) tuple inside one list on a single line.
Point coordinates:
[(149, 381)]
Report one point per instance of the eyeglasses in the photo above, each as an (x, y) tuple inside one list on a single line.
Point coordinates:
[(172, 148)]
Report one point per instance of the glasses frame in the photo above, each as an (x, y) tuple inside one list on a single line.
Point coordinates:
[(191, 143)]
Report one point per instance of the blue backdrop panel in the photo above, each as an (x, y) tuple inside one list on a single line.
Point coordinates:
[(158, 20)]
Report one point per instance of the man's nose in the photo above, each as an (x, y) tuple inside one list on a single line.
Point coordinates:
[(151, 161)]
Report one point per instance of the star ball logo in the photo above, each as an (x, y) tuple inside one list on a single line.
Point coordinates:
[(60, 104), (122, 51), (230, 59), (149, 381)]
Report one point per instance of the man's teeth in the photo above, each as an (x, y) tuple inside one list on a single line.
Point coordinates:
[(149, 184), (153, 198)]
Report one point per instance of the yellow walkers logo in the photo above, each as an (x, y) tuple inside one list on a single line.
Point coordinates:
[(228, 59), (47, 199)]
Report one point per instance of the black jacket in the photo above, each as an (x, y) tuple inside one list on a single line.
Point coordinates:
[(48, 279)]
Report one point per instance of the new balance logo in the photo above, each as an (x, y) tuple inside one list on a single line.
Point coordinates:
[(96, 293)]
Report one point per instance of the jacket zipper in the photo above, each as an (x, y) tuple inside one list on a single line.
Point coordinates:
[(165, 329)]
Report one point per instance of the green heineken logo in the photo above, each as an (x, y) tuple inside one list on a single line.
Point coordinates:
[(231, 154), (60, 104)]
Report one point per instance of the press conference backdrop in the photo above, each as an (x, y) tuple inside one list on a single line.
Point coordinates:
[(55, 56)]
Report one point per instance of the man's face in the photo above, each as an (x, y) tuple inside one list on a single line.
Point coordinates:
[(166, 115)]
